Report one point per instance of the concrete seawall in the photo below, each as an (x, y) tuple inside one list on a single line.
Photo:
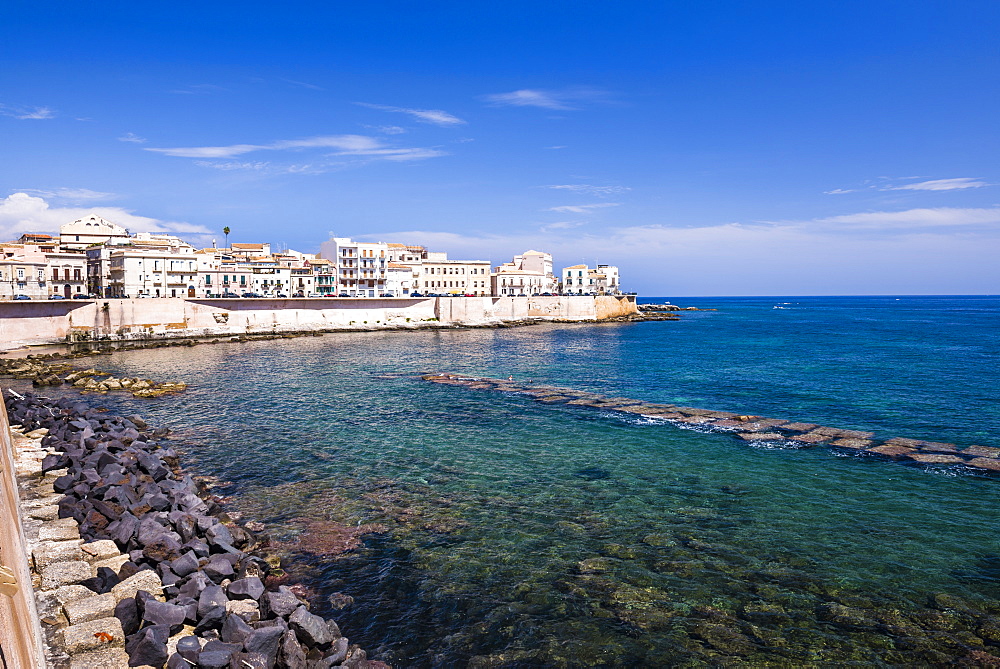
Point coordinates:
[(47, 322)]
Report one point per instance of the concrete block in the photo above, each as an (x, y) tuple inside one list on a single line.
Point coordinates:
[(96, 551), (65, 573), (58, 530), (70, 593), (113, 563), (147, 580), (247, 609), (56, 551), (92, 635), (90, 608), (105, 658), (50, 512)]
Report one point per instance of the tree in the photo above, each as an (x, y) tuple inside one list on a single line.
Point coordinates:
[(225, 231)]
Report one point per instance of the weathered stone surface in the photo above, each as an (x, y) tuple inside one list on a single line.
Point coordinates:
[(799, 427), (982, 451), (265, 641), (70, 593), (990, 464), (147, 580), (281, 603), (310, 629), (856, 444), (113, 563), (247, 609), (338, 651), (813, 437), (936, 458), (290, 652), (161, 613), (89, 608), (104, 658), (58, 530), (894, 451), (91, 635), (938, 447), (65, 573), (148, 646), (96, 551), (761, 436), (59, 551), (50, 512), (250, 587), (235, 629)]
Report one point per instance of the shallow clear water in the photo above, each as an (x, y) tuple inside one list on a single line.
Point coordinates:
[(554, 535)]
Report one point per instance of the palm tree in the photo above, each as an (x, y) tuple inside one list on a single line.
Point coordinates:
[(225, 231)]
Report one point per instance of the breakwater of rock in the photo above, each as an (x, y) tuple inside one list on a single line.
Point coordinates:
[(753, 430), (137, 566)]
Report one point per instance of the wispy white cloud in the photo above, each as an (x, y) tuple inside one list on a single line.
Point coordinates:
[(943, 184), (233, 165), (758, 258), (432, 116), (561, 225), (913, 219), (27, 113), (599, 191), (582, 208), (199, 88), (21, 212), (132, 137), (564, 99), (71, 194), (924, 184), (342, 145), (304, 84), (554, 147)]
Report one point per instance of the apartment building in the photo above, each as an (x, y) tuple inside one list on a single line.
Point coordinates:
[(40, 271), (583, 280), (361, 266), (527, 274)]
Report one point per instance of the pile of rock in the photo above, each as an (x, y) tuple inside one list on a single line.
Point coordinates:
[(86, 380), (131, 555)]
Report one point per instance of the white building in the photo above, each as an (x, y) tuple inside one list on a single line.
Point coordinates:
[(90, 230), (439, 276), (583, 280), (361, 266), (40, 272), (527, 274), (154, 270)]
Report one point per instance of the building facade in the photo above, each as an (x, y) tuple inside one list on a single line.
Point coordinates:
[(583, 280), (527, 274)]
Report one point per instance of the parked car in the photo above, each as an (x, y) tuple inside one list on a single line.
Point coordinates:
[(143, 295), (299, 294), (81, 296), (343, 295), (469, 295), (22, 297), (56, 297), (281, 295), (416, 295), (227, 294), (387, 295)]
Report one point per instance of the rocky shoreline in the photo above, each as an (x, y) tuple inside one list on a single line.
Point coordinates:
[(755, 430), (138, 566)]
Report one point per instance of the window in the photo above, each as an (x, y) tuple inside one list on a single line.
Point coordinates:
[(55, 274), (20, 272)]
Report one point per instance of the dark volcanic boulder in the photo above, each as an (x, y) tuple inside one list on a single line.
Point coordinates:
[(148, 647)]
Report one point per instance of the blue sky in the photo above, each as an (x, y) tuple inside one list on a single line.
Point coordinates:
[(707, 148)]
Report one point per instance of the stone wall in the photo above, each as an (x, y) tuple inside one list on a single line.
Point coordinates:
[(20, 630), (40, 322)]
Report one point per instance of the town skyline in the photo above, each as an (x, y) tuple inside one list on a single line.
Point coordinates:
[(726, 149)]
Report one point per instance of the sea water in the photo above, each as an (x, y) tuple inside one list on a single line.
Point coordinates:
[(485, 528)]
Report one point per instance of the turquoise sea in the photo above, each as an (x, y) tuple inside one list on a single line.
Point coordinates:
[(494, 530)]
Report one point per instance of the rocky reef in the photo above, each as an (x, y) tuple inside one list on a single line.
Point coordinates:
[(53, 370)]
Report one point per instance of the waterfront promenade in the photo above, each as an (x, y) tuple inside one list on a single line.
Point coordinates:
[(27, 323)]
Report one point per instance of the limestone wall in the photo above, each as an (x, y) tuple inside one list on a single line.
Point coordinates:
[(20, 631), (38, 322)]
